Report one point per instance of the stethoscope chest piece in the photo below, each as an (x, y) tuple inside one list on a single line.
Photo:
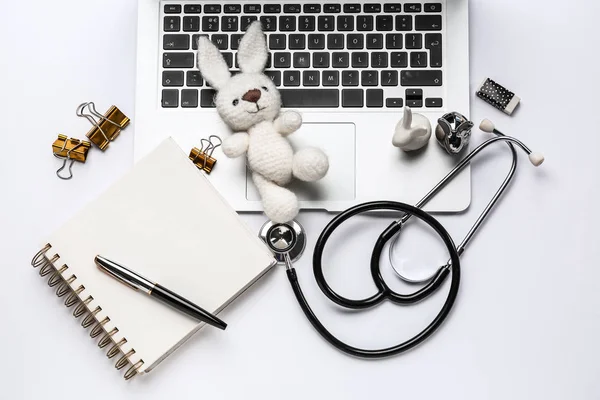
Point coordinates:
[(282, 239)]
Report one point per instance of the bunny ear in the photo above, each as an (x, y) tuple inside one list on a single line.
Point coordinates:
[(252, 53), (211, 64)]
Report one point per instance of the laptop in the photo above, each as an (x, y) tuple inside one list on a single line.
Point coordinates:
[(361, 63)]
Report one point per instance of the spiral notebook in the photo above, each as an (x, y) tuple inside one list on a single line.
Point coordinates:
[(167, 222)]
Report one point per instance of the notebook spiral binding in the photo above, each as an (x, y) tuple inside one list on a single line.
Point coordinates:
[(46, 267)]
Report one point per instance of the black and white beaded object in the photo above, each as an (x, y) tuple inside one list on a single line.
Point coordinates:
[(498, 96)]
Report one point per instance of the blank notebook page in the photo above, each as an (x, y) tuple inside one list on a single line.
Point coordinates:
[(165, 221)]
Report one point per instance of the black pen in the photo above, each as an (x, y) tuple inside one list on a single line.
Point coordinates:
[(138, 282)]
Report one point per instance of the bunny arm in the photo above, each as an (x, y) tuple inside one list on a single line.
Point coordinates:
[(288, 122), (236, 145)]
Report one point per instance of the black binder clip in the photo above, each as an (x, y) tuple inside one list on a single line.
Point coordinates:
[(69, 149), (105, 127), (202, 157)]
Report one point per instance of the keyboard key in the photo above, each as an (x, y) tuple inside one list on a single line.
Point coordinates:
[(178, 60), (393, 41), (369, 78), (326, 23), (428, 23), (418, 59), (191, 24), (221, 41), (389, 78), (312, 98), (335, 41), (345, 23), (379, 59), (404, 22), (340, 60), (252, 8), (172, 9), (282, 60), (306, 23), (170, 98), (235, 41), (414, 41), (195, 39), (374, 97), (297, 42), (189, 98), (275, 77), (269, 23), (352, 98), (374, 41), (414, 103), (312, 8), (291, 78), (434, 103), (394, 102), (291, 8), (172, 24), (212, 9), (332, 8), (385, 23), (192, 9), (350, 78), (421, 77), (193, 78), (320, 60), (316, 41), (277, 42), (331, 78), (176, 42), (433, 42), (310, 78), (272, 8), (352, 8), (372, 8), (287, 23), (301, 60), (355, 41), (412, 7), (210, 24), (207, 98), (360, 60), (364, 23), (414, 94), (399, 59), (433, 7), (172, 78), (246, 21), (229, 23), (392, 8), (232, 8)]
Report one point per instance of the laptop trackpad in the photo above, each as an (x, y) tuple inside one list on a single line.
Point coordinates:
[(339, 143)]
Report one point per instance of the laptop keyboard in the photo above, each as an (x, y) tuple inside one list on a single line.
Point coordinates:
[(322, 55)]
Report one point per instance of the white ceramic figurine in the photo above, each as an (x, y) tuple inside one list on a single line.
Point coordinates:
[(412, 132), (250, 104)]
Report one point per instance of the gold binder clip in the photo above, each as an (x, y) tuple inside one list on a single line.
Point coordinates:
[(106, 127), (69, 149), (202, 157)]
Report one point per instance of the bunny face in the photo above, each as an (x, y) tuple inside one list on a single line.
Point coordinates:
[(249, 97)]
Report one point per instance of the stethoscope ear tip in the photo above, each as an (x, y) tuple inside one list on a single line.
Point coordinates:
[(487, 126), (536, 159)]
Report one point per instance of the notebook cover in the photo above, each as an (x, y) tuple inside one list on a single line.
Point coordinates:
[(166, 221)]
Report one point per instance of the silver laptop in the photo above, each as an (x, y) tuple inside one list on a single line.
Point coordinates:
[(348, 66)]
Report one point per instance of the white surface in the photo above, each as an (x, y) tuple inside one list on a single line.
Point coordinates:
[(374, 156), (166, 222), (527, 319)]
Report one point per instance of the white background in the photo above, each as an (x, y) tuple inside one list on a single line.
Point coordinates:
[(527, 320)]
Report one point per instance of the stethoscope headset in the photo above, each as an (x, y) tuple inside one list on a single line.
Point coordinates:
[(287, 241)]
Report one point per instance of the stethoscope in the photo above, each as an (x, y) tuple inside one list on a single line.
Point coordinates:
[(288, 241)]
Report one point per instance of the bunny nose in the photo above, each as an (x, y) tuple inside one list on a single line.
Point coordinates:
[(252, 95)]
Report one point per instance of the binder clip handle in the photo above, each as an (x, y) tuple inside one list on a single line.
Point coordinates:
[(65, 160)]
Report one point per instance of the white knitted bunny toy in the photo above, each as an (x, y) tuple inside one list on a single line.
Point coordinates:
[(250, 104)]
